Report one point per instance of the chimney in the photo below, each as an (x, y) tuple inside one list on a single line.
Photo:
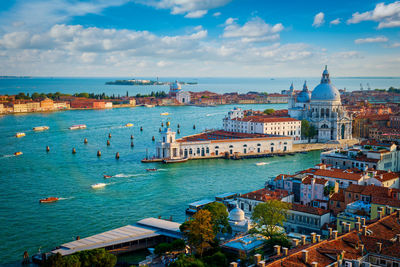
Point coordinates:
[(304, 256), (335, 234), (362, 221), (277, 250), (314, 264), (257, 258), (358, 218), (361, 247), (296, 242), (318, 238), (285, 251), (364, 230), (233, 264), (313, 237), (348, 227), (358, 226), (303, 240), (379, 214), (330, 232), (379, 246), (261, 264)]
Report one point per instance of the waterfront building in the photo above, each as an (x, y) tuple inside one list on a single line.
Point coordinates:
[(47, 104), (20, 107), (375, 243), (263, 125), (247, 202), (305, 219), (183, 97), (369, 154), (323, 109), (219, 143)]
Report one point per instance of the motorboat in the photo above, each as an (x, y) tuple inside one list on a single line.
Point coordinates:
[(77, 127), (164, 114), (18, 135), (129, 125), (149, 106), (41, 128), (261, 163), (48, 200), (175, 160), (18, 153), (151, 170), (98, 185), (107, 176)]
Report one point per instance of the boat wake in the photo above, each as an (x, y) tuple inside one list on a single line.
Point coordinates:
[(123, 175), (262, 163), (7, 156), (65, 198)]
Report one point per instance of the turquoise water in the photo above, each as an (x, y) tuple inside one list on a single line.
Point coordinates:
[(218, 85), (134, 194)]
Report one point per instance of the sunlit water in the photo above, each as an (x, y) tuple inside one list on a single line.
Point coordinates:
[(131, 195)]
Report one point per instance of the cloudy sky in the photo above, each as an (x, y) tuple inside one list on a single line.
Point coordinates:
[(199, 38)]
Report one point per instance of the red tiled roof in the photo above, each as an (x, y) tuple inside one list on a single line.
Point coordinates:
[(384, 176), (308, 209), (224, 135), (265, 119), (386, 201), (264, 194), (335, 173), (339, 196)]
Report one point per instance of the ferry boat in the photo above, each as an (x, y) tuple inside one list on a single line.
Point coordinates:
[(18, 153), (164, 114), (98, 185), (49, 200), (129, 125), (41, 128), (18, 135), (78, 126)]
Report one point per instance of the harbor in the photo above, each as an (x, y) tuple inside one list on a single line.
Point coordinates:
[(69, 177)]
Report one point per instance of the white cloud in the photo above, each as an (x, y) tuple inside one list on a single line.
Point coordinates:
[(217, 14), (394, 45), (347, 55), (229, 21), (255, 30), (190, 8), (319, 20), (388, 15), (379, 39), (335, 21)]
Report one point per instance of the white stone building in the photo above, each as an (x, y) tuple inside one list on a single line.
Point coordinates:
[(183, 97), (217, 144), (238, 222), (323, 109)]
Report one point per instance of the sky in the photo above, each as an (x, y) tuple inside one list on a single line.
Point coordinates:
[(199, 38)]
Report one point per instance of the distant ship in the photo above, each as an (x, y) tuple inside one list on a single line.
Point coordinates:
[(41, 128), (76, 127)]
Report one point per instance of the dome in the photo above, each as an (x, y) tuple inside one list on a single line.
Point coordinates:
[(325, 91), (175, 86), (236, 214), (304, 96)]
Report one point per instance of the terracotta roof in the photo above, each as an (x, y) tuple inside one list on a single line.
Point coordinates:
[(376, 191), (339, 196), (265, 194), (384, 176), (335, 173), (308, 209), (355, 188), (265, 119), (386, 201), (225, 135), (309, 178)]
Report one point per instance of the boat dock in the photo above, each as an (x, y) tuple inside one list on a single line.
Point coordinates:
[(144, 234)]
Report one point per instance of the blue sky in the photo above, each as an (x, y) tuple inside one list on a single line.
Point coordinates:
[(199, 38)]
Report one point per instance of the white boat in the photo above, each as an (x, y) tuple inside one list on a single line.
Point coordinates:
[(129, 125), (98, 185), (165, 114), (18, 135), (149, 106), (261, 163), (41, 128), (78, 126)]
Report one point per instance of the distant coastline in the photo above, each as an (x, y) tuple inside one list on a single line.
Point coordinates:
[(143, 82)]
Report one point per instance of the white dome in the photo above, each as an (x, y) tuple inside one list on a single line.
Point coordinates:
[(175, 86), (236, 214), (325, 91)]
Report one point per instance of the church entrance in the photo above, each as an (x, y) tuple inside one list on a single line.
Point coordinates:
[(342, 131)]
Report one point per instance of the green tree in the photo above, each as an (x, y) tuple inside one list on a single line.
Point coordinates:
[(55, 260), (269, 111), (219, 217), (278, 239), (35, 96), (307, 130), (218, 259), (199, 231), (187, 261), (268, 215)]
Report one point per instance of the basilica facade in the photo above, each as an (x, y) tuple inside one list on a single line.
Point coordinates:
[(322, 108)]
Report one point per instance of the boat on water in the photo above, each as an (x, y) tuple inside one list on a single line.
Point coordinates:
[(261, 163), (18, 135), (18, 153), (291, 154), (77, 127), (107, 176), (149, 106), (281, 155), (164, 114), (49, 200), (129, 125), (175, 160), (98, 185), (151, 170), (41, 128)]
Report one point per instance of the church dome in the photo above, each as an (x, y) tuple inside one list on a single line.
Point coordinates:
[(304, 96), (236, 215), (175, 86), (325, 91)]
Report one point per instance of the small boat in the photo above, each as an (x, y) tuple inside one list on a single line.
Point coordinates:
[(98, 185), (303, 152), (49, 200), (151, 170), (291, 154), (164, 114), (18, 153), (261, 163), (18, 135), (129, 125), (175, 160), (281, 155), (107, 176), (149, 106), (41, 128), (78, 126)]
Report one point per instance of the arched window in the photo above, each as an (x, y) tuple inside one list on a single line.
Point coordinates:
[(272, 144), (186, 152), (327, 112), (207, 150), (322, 112), (216, 147), (190, 151), (285, 143), (231, 146), (258, 144), (324, 126), (198, 150), (244, 145)]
